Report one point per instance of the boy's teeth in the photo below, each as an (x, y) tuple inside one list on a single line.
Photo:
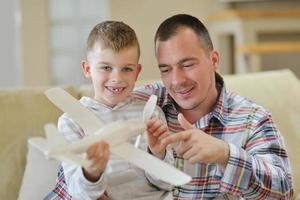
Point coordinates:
[(116, 89)]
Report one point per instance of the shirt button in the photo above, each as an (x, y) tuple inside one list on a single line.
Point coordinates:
[(175, 191)]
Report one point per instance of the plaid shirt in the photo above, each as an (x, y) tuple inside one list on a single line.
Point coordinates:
[(258, 166)]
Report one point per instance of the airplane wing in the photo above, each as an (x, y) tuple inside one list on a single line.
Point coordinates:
[(74, 159), (151, 164), (42, 145), (67, 103)]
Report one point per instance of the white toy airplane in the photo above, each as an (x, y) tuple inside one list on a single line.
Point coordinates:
[(116, 134)]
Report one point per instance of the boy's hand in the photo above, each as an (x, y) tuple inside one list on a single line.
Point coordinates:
[(98, 153), (156, 131)]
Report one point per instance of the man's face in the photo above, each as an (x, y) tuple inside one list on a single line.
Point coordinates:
[(113, 74), (187, 70)]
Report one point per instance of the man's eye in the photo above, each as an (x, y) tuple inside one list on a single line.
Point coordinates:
[(188, 65), (127, 69), (164, 70)]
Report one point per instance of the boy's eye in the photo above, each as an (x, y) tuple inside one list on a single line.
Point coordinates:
[(106, 68)]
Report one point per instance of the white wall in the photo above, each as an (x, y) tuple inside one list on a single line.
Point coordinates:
[(34, 42), (9, 49), (146, 15)]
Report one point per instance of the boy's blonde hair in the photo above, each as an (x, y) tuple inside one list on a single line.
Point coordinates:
[(114, 35)]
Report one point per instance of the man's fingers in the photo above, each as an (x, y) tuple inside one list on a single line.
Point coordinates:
[(181, 136), (183, 147), (190, 153), (183, 122)]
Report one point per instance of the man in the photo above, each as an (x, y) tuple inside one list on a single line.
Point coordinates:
[(228, 144)]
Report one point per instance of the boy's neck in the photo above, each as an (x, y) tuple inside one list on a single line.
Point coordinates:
[(113, 106)]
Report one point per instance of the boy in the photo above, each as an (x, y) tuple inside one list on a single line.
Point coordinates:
[(112, 65)]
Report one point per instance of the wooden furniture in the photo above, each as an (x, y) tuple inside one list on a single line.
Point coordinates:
[(245, 26)]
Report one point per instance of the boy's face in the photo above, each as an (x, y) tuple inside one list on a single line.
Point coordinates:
[(113, 74)]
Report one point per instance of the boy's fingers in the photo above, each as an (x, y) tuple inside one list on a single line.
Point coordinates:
[(91, 151), (96, 150), (166, 134), (161, 130), (154, 126)]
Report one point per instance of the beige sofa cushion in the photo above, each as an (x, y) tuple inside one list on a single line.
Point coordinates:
[(23, 114)]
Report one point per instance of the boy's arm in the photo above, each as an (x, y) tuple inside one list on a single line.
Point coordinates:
[(77, 185), (163, 153)]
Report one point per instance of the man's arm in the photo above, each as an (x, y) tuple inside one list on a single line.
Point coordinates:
[(262, 169), (259, 171)]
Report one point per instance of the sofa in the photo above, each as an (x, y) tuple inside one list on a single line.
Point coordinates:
[(25, 173)]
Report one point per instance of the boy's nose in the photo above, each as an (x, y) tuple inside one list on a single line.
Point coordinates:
[(116, 77)]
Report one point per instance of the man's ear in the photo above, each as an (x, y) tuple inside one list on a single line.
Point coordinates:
[(215, 58), (86, 68)]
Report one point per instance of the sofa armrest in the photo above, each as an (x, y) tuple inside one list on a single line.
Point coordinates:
[(39, 176)]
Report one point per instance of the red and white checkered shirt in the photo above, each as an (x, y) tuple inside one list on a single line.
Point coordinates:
[(258, 166)]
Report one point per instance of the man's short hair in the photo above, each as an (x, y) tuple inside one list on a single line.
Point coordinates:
[(171, 25), (114, 35)]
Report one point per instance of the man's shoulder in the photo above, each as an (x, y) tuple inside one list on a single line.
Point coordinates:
[(237, 103), (149, 88), (144, 92)]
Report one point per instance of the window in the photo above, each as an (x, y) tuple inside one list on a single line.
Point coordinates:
[(70, 22)]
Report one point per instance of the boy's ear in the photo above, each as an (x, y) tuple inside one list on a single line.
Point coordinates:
[(86, 68), (138, 70)]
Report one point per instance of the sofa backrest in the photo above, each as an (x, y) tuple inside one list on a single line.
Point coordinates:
[(23, 114)]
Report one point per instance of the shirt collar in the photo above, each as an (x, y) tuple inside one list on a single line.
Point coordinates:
[(220, 110), (96, 105)]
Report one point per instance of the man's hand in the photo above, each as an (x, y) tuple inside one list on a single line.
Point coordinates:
[(156, 131), (197, 146), (98, 153)]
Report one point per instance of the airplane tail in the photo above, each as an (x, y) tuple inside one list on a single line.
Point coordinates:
[(39, 143), (54, 138)]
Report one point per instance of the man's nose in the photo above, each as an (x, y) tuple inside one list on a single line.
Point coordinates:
[(178, 76)]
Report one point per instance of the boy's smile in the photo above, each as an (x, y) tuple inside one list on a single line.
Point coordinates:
[(113, 74), (115, 90)]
